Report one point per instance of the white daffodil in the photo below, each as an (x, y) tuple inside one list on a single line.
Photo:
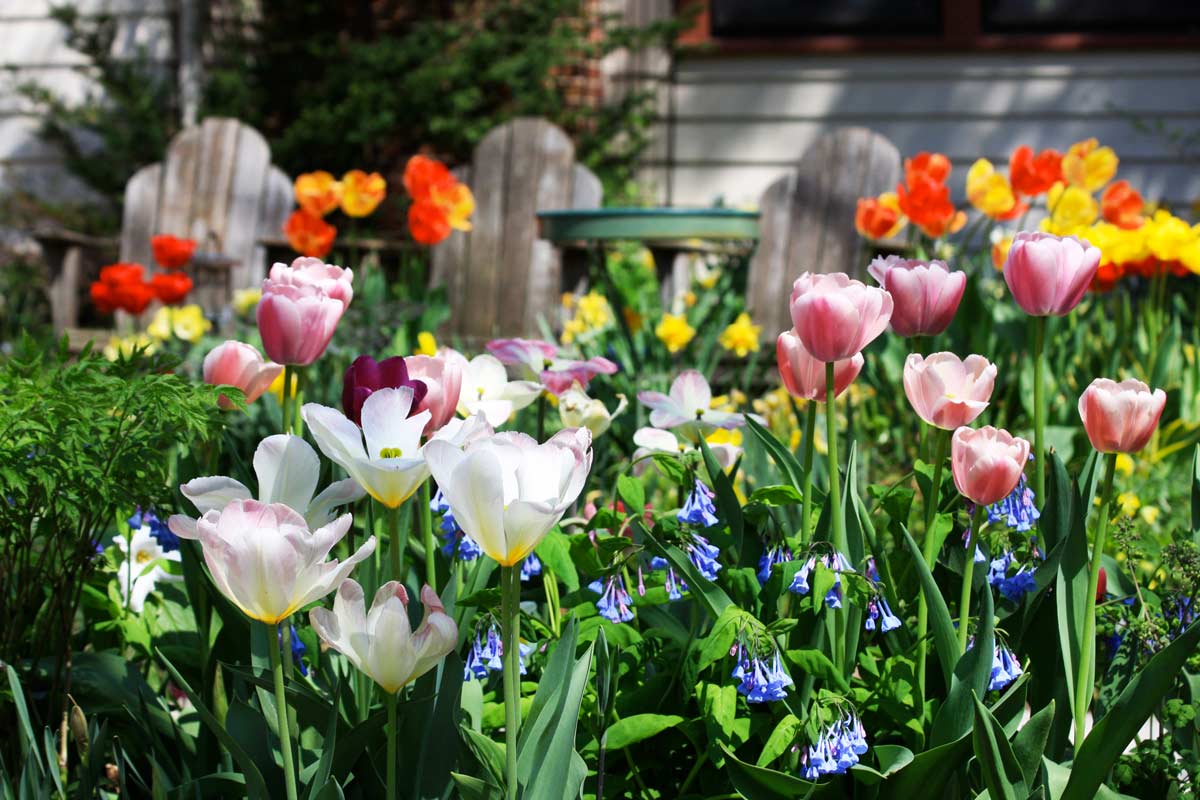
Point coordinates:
[(688, 407), (385, 456), (487, 390), (381, 643), (142, 568), (287, 469), (577, 410), (507, 491)]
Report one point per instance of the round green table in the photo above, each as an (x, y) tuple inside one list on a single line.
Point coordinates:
[(666, 232)]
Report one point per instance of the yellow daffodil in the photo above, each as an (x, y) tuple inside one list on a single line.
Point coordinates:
[(276, 387), (1129, 503), (741, 336), (426, 344), (689, 299), (595, 310), (123, 346), (1089, 166), (1124, 464), (675, 332), (246, 300), (187, 323), (732, 437)]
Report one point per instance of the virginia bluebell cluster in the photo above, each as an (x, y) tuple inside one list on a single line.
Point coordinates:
[(834, 561), (761, 679), (614, 603), (837, 748)]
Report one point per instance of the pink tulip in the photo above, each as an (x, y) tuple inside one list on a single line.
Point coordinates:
[(987, 463), (926, 293), (835, 316), (1048, 274), (1120, 417), (300, 309), (561, 375), (239, 365), (946, 391), (442, 377), (531, 355), (804, 376)]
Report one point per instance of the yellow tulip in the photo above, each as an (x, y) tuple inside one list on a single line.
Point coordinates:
[(362, 193), (1089, 166)]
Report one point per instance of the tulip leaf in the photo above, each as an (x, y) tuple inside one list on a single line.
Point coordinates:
[(1107, 740), (488, 753), (945, 639), (1066, 514), (971, 677), (728, 506), (1030, 742), (998, 764), (714, 599), (255, 785), (1196, 495), (631, 730), (322, 768), (546, 766), (470, 788), (784, 459)]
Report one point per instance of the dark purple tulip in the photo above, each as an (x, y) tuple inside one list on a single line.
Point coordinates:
[(367, 375)]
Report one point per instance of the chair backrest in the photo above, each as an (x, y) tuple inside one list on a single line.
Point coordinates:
[(501, 277), (216, 185), (807, 218)]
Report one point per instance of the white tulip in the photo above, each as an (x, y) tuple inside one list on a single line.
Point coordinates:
[(381, 643), (140, 571), (287, 469), (655, 440), (391, 466), (507, 491), (577, 410), (487, 390)]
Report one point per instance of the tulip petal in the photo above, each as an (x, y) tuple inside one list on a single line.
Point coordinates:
[(288, 470), (213, 494)]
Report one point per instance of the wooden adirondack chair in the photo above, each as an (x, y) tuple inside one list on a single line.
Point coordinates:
[(807, 218), (501, 277), (216, 185)]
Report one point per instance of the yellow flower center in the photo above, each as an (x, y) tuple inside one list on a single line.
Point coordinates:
[(142, 557), (391, 452)]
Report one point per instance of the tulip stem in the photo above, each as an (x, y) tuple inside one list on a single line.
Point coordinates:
[(1039, 409), (1087, 643), (510, 611), (810, 448), (835, 500), (398, 543), (541, 416), (964, 603), (427, 536), (390, 701), (929, 552), (286, 395), (281, 712)]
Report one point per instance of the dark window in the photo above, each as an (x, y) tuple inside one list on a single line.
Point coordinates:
[(1087, 16), (775, 18)]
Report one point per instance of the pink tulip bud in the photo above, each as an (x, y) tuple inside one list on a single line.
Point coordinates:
[(300, 309), (442, 377), (1120, 417), (926, 293), (804, 376), (835, 316), (239, 365), (987, 463), (946, 391), (1048, 274)]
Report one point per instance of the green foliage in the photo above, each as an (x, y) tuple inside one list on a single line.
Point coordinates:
[(82, 442)]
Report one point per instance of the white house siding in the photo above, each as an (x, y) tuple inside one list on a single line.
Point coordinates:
[(34, 49), (735, 124)]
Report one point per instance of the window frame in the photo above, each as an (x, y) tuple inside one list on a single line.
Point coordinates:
[(962, 31)]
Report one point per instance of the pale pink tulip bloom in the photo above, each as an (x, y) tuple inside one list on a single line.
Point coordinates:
[(836, 316), (267, 562), (1048, 274), (443, 377), (804, 376), (987, 463), (239, 365), (381, 643), (1120, 417), (688, 406), (946, 391), (926, 294), (300, 309)]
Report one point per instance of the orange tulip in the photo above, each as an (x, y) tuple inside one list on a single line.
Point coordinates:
[(362, 193), (878, 217), (1033, 174), (927, 203), (309, 235), (428, 222), (457, 203), (317, 192), (933, 166), (423, 174), (171, 288), (1122, 205), (172, 252)]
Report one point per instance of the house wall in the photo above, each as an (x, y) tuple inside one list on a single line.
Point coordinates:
[(735, 124), (35, 50)]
